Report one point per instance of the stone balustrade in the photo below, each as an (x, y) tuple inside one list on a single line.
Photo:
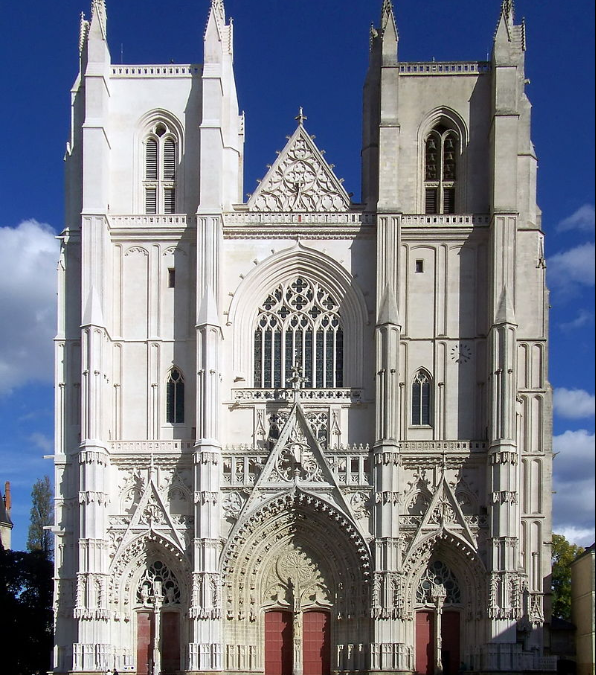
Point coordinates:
[(445, 68), (176, 70)]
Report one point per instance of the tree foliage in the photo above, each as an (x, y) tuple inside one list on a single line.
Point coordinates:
[(26, 610), (563, 554), (42, 516)]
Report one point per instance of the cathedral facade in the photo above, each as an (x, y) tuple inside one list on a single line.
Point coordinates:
[(298, 435)]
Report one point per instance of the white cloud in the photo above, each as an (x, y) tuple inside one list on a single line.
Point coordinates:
[(573, 403), (28, 257), (582, 219), (571, 268), (41, 441), (583, 318), (578, 535), (573, 482)]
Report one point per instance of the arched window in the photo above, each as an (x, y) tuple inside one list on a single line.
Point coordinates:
[(421, 399), (175, 397), (158, 585), (159, 181), (298, 324), (438, 578), (440, 170)]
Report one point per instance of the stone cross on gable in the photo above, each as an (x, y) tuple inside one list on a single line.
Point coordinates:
[(301, 117)]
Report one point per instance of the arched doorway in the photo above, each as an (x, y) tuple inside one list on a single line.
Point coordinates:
[(158, 621), (297, 558), (438, 638)]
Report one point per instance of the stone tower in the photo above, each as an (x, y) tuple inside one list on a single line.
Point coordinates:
[(298, 435)]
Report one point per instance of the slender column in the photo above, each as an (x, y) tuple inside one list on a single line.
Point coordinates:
[(386, 482), (206, 647)]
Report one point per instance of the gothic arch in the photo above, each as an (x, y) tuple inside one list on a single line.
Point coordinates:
[(295, 553), (461, 558), (313, 524), (451, 119), (317, 266), (143, 125), (128, 568)]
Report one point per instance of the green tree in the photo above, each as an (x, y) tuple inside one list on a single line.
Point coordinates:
[(42, 516), (26, 611), (563, 554)]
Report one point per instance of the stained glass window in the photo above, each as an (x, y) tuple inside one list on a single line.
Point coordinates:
[(299, 324)]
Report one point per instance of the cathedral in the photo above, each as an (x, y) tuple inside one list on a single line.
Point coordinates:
[(298, 435)]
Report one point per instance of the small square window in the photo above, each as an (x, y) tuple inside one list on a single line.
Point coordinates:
[(171, 277), (419, 266)]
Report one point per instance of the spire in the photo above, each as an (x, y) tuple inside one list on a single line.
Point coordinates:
[(507, 11), (218, 36), (99, 17), (219, 11), (388, 15), (389, 34)]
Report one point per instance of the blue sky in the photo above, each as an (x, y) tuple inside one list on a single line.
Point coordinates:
[(313, 54)]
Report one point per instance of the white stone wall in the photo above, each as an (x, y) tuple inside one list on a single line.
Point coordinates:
[(214, 498)]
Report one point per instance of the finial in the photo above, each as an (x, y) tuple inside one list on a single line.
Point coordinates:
[(507, 10), (301, 117)]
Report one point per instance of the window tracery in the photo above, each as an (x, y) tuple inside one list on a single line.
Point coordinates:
[(175, 397), (158, 583), (421, 399), (160, 162), (438, 580), (298, 324), (441, 150)]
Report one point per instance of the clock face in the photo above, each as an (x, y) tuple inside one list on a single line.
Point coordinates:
[(461, 353)]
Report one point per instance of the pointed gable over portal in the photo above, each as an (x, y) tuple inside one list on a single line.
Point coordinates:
[(301, 180)]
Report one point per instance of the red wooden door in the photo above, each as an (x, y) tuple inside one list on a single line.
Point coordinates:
[(145, 633), (316, 640), (425, 652), (450, 642), (278, 643), (170, 642)]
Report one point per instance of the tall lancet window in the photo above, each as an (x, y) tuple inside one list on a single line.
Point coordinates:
[(299, 324), (159, 182), (440, 170), (421, 399), (175, 397)]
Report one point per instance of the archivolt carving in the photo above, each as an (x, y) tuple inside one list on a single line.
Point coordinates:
[(459, 556), (130, 565), (296, 548)]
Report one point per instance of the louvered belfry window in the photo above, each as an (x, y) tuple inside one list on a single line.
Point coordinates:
[(440, 170), (299, 325), (161, 158)]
